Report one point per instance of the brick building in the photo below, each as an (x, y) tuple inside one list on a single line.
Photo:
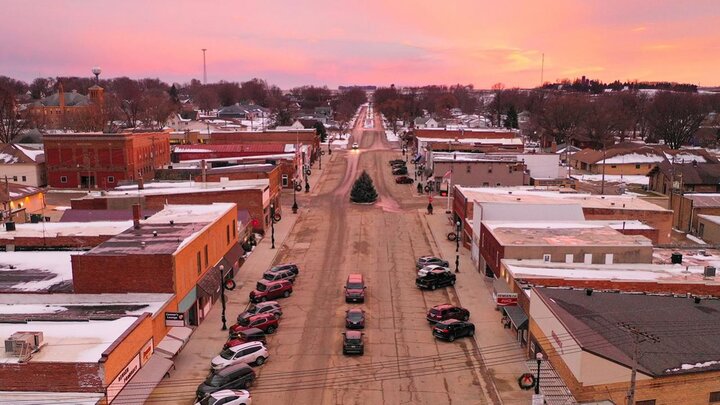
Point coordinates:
[(589, 339), (687, 209), (70, 109), (99, 160), (301, 137), (65, 235)]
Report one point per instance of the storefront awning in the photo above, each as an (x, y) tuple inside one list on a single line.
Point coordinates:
[(174, 341), (139, 388), (517, 316), (209, 285)]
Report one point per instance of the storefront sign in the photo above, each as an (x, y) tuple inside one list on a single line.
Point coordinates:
[(146, 352), (506, 299), (122, 379), (174, 319)]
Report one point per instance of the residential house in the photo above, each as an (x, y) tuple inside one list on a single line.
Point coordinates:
[(23, 164), (425, 122), (687, 177)]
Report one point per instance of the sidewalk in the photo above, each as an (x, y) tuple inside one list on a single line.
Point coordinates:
[(502, 354), (193, 362)]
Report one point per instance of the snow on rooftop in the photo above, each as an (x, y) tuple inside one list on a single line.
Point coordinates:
[(82, 342), (692, 366), (685, 157), (39, 397), (633, 158), (493, 141), (57, 303), (35, 271), (188, 214), (32, 152), (54, 229), (177, 187), (614, 178)]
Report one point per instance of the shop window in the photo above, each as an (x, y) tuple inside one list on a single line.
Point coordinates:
[(227, 233), (24, 178), (714, 397), (645, 402), (285, 181), (14, 178), (234, 229), (63, 179)]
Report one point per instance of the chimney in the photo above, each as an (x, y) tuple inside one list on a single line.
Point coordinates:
[(204, 170), (136, 216), (141, 183)]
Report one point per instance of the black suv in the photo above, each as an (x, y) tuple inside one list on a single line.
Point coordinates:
[(452, 328), (434, 280), (430, 260), (353, 342), (287, 266), (236, 376), (446, 311)]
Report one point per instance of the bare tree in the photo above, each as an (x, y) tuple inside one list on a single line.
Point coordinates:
[(675, 117), (156, 109), (12, 121), (560, 116)]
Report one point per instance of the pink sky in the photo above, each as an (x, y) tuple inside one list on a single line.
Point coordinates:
[(332, 43)]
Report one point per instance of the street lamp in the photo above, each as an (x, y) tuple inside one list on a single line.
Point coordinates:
[(222, 296), (295, 205), (272, 225), (539, 357), (458, 224)]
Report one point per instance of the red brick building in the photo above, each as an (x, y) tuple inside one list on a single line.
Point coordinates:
[(98, 160), (302, 137)]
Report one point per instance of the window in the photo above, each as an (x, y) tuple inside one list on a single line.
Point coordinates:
[(645, 402), (234, 229), (569, 258), (547, 257), (206, 255), (285, 180), (588, 258), (609, 258), (714, 397), (14, 178), (227, 233), (199, 264), (701, 230), (111, 179), (490, 169), (24, 178), (637, 166), (63, 179), (613, 166), (468, 169)]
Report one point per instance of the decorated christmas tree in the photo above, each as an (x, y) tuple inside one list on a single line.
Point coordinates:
[(363, 190)]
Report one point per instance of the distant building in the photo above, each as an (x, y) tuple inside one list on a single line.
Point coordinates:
[(634, 159), (687, 177), (69, 109), (23, 164), (18, 201), (99, 160), (425, 122)]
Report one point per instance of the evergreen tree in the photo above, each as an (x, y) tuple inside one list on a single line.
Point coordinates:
[(174, 94), (320, 129), (363, 190), (511, 121)]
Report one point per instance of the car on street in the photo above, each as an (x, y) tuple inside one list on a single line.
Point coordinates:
[(353, 342), (428, 260), (250, 353), (443, 312), (434, 280), (432, 268), (266, 322), (236, 376), (268, 290), (286, 266), (355, 145), (227, 397), (355, 318), (404, 180), (355, 288), (451, 329), (260, 308), (245, 336), (399, 171), (396, 161), (279, 275)]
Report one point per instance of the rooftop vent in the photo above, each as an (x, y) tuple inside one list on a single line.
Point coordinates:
[(155, 234), (697, 299), (23, 344), (588, 291), (676, 258)]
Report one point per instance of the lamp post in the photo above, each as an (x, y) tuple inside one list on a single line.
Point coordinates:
[(272, 225), (295, 205), (539, 357), (458, 225), (222, 296)]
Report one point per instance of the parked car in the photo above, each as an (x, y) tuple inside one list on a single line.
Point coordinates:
[(279, 275), (446, 311), (251, 352), (398, 165), (268, 290), (428, 260), (355, 318), (260, 308), (245, 336), (404, 180), (434, 280), (355, 288), (400, 170), (236, 376), (266, 322), (353, 342), (396, 161), (432, 268), (355, 145), (227, 397), (286, 266), (452, 328)]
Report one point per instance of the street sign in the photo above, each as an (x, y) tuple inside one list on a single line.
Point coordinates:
[(506, 299), (174, 319)]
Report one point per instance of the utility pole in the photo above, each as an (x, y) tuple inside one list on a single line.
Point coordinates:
[(639, 337), (6, 203), (204, 67)]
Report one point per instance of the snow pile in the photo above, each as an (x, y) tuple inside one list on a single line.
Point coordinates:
[(391, 137), (692, 366), (614, 178)]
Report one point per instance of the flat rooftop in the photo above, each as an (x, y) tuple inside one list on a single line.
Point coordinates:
[(489, 141), (542, 195), (704, 200), (183, 187), (472, 157), (620, 272), (560, 234), (56, 229), (72, 342), (157, 235), (37, 271), (22, 307), (712, 218), (690, 257)]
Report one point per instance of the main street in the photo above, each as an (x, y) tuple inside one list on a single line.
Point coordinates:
[(332, 238)]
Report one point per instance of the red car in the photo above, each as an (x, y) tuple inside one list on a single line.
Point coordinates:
[(446, 311), (266, 322), (268, 290), (403, 180), (244, 336)]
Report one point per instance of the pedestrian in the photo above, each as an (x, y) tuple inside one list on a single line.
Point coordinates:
[(429, 209), (420, 188)]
